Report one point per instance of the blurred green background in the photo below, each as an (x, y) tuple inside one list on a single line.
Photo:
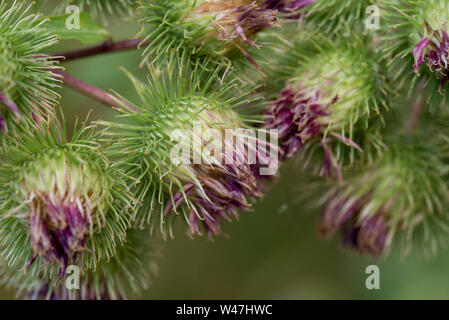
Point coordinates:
[(271, 253)]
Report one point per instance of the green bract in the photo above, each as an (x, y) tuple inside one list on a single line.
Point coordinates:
[(178, 107), (403, 193)]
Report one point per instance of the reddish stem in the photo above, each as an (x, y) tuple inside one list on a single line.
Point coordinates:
[(105, 47), (92, 92)]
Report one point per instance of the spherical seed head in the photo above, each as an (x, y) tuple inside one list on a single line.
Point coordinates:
[(63, 201), (417, 47), (330, 93), (395, 196), (210, 27), (67, 203), (26, 82), (340, 82), (426, 23), (124, 276), (212, 190), (231, 20), (176, 112)]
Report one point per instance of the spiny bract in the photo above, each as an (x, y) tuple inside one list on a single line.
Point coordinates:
[(403, 193)]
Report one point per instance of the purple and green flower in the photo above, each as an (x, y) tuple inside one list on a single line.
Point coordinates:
[(26, 81), (62, 201), (214, 28)]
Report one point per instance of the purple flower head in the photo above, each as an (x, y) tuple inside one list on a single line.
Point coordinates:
[(224, 184), (369, 236), (366, 234), (129, 271), (296, 114), (434, 53), (252, 20), (65, 203), (235, 21)]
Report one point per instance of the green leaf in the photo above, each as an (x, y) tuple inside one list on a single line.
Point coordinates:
[(89, 30)]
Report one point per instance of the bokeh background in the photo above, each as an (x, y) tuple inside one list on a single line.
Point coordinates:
[(271, 253)]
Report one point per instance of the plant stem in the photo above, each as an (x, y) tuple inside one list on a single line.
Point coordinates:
[(92, 92), (105, 47)]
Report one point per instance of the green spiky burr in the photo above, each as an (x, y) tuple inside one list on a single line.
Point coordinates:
[(211, 28), (182, 103), (415, 45), (327, 98), (400, 197), (126, 275)]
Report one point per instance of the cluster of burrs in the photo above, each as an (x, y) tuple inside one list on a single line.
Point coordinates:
[(233, 89)]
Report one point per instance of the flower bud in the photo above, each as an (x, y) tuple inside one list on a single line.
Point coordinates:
[(190, 149), (59, 194), (211, 27), (417, 47), (427, 24), (125, 275), (398, 194), (26, 82), (65, 200), (333, 91)]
